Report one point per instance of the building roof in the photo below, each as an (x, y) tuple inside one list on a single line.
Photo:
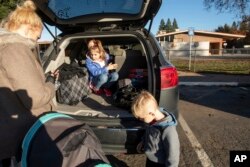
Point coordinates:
[(44, 42), (204, 33)]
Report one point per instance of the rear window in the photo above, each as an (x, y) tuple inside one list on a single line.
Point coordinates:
[(67, 9)]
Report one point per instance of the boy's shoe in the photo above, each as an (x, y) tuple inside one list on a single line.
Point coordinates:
[(107, 92)]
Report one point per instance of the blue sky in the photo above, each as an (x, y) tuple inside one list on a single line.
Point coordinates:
[(191, 13), (188, 13)]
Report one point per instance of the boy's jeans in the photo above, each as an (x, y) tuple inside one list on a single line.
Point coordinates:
[(106, 80)]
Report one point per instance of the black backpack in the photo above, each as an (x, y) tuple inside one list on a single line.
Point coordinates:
[(125, 94), (58, 140), (74, 84)]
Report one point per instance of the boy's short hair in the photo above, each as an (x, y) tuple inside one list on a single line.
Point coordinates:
[(139, 102)]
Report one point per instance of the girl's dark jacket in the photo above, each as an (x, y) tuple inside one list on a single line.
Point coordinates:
[(24, 94)]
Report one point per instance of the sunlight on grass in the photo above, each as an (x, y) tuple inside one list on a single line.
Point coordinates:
[(232, 66)]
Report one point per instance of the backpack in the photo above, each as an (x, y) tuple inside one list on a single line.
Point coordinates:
[(74, 84), (125, 94), (58, 140)]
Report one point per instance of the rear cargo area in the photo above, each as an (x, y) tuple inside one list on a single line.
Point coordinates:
[(130, 56)]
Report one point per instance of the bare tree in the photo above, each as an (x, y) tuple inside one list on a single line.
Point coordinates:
[(239, 7)]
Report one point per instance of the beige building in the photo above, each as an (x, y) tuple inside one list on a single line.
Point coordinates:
[(203, 41), (43, 45)]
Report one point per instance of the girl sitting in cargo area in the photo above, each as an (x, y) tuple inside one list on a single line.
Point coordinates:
[(161, 142), (101, 77)]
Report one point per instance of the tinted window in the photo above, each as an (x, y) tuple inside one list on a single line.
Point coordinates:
[(65, 9)]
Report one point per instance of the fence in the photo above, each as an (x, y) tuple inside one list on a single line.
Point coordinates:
[(229, 61), (209, 52)]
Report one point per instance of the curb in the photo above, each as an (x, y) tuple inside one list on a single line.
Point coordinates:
[(214, 84)]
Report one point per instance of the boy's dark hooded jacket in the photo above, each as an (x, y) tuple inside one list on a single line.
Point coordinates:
[(162, 141)]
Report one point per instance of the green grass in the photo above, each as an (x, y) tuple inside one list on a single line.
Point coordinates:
[(230, 66)]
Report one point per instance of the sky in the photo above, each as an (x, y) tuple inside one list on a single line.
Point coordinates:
[(188, 13)]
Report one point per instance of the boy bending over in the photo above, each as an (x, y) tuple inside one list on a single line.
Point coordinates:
[(161, 142)]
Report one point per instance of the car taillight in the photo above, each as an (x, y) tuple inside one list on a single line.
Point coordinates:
[(169, 77)]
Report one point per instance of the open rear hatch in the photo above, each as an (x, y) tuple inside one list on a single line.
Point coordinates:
[(78, 16)]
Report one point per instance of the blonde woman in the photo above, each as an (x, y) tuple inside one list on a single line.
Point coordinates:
[(24, 92)]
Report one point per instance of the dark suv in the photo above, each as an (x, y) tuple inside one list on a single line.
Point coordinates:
[(119, 24)]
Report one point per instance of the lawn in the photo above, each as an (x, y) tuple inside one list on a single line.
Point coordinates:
[(230, 66)]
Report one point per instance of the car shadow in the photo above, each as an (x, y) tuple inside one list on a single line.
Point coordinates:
[(16, 117), (230, 99)]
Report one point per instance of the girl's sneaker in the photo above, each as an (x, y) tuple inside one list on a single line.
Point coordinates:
[(97, 92), (107, 92), (91, 86)]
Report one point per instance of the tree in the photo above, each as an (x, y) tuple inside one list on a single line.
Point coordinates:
[(243, 27), (226, 29), (175, 25), (219, 29), (234, 28), (162, 25), (238, 7), (6, 6), (245, 24), (168, 26)]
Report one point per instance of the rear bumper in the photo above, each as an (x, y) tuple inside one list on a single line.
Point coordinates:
[(117, 135)]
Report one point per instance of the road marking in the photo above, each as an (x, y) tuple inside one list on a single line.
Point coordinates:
[(209, 83), (202, 155)]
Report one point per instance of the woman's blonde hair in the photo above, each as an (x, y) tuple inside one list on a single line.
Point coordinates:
[(139, 102), (23, 14)]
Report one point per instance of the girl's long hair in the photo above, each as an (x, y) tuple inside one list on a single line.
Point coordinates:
[(98, 44)]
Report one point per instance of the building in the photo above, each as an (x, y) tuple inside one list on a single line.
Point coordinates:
[(203, 42), (43, 45)]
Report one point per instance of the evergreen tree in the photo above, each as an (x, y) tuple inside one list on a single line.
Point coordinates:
[(227, 28), (245, 25), (175, 25), (219, 29), (244, 28), (162, 25), (6, 6), (168, 26), (234, 27)]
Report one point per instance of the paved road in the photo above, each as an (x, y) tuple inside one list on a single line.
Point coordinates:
[(219, 119), (214, 121)]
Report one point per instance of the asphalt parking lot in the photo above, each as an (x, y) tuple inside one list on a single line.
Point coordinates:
[(214, 120), (217, 122)]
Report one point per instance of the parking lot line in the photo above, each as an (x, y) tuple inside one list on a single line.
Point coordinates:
[(209, 83), (202, 155)]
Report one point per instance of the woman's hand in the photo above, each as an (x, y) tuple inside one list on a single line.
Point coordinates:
[(53, 76)]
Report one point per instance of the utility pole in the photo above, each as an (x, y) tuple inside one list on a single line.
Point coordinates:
[(190, 34)]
